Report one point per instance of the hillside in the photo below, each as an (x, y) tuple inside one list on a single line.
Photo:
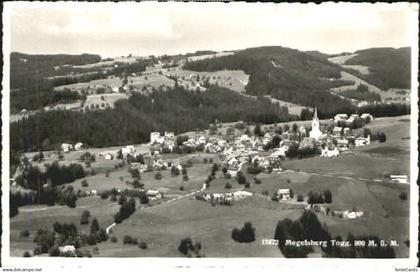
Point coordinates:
[(283, 73), (26, 68), (132, 120), (388, 67)]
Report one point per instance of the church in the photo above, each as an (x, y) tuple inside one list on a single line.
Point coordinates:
[(315, 131)]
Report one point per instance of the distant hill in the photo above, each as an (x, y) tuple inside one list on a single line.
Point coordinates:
[(26, 68), (283, 73), (318, 54), (388, 67)]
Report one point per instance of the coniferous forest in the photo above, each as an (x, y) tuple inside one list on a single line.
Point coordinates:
[(132, 120)]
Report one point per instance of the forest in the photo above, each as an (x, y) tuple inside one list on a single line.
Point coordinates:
[(283, 73), (388, 67), (132, 120), (361, 93)]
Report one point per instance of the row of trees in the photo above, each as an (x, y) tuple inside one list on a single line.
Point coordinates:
[(244, 235), (126, 209), (45, 195), (320, 197), (308, 227), (54, 175)]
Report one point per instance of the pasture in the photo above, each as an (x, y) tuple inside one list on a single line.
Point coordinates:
[(232, 79), (102, 101), (163, 226), (36, 217)]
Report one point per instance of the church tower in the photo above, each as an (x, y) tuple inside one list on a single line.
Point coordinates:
[(315, 121), (315, 131)]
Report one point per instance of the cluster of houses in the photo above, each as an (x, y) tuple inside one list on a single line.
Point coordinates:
[(341, 214), (224, 198), (341, 136), (65, 147)]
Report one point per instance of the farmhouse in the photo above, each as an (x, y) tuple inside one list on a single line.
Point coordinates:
[(360, 141), (67, 249), (128, 150), (366, 117), (109, 156), (155, 137), (399, 178), (78, 146), (283, 194), (337, 131), (339, 117), (66, 147), (326, 153), (154, 194)]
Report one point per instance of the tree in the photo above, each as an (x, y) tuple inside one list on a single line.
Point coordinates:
[(143, 245), (244, 235), (94, 226), (158, 175), (294, 127), (84, 218), (175, 171), (328, 196), (85, 183), (135, 173), (382, 137), (240, 177), (228, 185), (257, 130)]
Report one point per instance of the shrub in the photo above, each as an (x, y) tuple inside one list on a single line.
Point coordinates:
[(244, 235), (254, 169), (185, 178), (129, 240), (54, 251), (265, 192), (26, 254), (257, 180), (240, 178), (403, 196), (188, 247), (143, 245), (114, 239), (158, 175), (104, 195), (247, 184), (300, 198), (85, 183), (84, 218), (24, 233), (181, 188), (113, 197), (228, 185)]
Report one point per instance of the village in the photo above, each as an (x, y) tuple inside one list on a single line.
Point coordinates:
[(261, 151)]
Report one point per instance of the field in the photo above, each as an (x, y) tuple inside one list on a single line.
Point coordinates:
[(107, 63), (163, 226), (369, 162), (218, 54), (342, 59), (390, 95), (232, 79), (37, 217), (91, 86), (102, 101)]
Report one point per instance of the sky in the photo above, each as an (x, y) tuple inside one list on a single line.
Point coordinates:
[(119, 29)]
